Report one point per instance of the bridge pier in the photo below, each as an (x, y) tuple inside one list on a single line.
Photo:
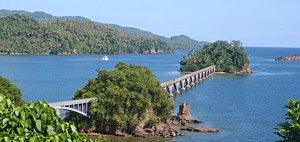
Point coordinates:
[(188, 80), (193, 80), (177, 88), (182, 85), (170, 89)]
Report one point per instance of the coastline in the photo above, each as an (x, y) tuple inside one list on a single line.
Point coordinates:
[(82, 53), (251, 72)]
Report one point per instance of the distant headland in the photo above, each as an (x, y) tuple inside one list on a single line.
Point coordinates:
[(288, 58)]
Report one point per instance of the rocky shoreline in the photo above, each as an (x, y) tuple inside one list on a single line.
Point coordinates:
[(167, 128), (288, 58)]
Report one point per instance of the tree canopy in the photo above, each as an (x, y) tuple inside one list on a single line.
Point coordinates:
[(11, 91), (289, 131), (22, 34), (35, 122), (126, 96), (228, 57)]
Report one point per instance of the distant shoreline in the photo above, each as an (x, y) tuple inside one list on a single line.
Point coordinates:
[(288, 58), (234, 73), (81, 53), (222, 72)]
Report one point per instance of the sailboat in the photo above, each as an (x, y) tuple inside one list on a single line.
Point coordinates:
[(105, 58)]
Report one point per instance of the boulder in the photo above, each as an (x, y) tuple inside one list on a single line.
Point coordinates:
[(120, 133), (181, 134), (200, 129)]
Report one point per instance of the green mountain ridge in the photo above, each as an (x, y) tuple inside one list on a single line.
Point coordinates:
[(40, 16), (25, 35), (177, 42)]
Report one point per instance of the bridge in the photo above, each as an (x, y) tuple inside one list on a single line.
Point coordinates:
[(186, 81), (82, 106)]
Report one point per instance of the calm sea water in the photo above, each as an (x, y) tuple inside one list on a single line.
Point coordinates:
[(243, 107)]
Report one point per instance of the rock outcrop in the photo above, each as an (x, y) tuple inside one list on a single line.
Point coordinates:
[(184, 116), (160, 129), (200, 129), (246, 69), (288, 58)]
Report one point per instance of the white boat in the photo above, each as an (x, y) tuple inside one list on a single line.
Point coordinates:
[(105, 58)]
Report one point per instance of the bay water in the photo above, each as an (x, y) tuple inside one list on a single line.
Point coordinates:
[(243, 107)]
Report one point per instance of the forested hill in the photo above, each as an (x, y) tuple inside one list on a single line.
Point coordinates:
[(228, 57), (177, 42), (22, 34), (185, 42)]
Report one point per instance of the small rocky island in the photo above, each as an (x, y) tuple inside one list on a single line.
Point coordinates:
[(288, 58)]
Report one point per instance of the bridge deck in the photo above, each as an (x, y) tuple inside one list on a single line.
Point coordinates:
[(72, 102), (185, 76)]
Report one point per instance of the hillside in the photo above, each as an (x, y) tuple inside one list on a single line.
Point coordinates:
[(22, 34), (185, 42), (176, 42)]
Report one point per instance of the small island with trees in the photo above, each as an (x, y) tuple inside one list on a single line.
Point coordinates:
[(288, 58), (130, 99), (228, 57)]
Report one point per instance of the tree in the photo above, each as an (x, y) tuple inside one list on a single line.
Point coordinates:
[(11, 91), (236, 44), (289, 131)]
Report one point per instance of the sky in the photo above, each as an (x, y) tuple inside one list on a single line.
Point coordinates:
[(262, 23)]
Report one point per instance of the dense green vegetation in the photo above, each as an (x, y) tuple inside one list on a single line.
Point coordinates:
[(22, 34), (11, 91), (289, 131), (176, 42), (228, 57), (127, 95), (35, 122)]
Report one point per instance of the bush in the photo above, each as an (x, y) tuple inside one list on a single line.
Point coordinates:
[(289, 131), (35, 122)]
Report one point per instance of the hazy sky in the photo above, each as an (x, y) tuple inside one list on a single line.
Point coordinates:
[(272, 23)]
